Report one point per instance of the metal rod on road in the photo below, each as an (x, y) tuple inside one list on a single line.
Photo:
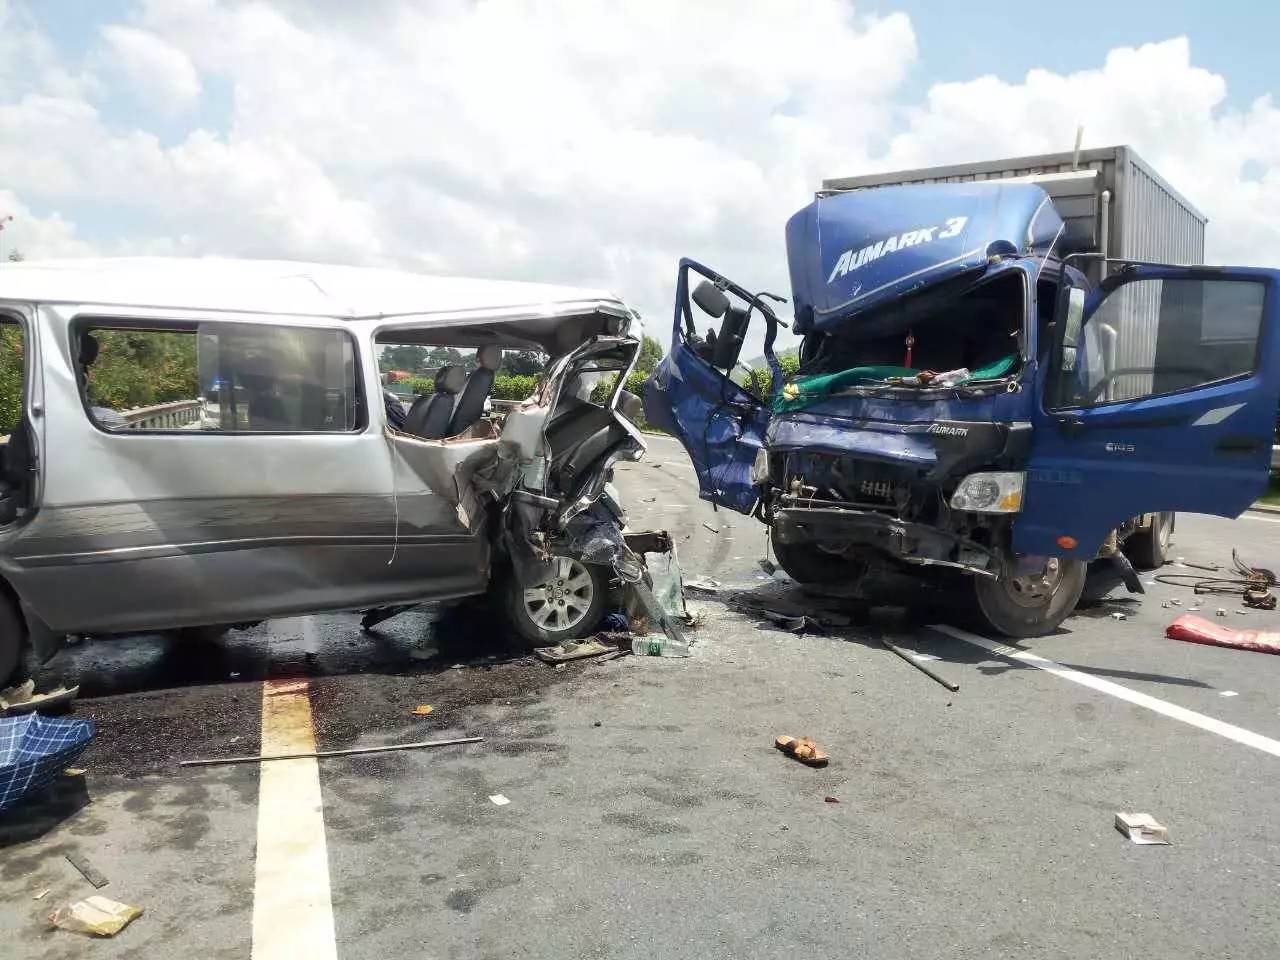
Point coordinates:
[(927, 671), (330, 753)]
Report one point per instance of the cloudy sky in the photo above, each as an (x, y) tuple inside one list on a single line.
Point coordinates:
[(591, 143)]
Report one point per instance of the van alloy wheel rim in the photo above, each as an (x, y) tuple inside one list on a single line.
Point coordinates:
[(563, 601), (1035, 589)]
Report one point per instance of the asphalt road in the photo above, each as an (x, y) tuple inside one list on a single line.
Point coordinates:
[(649, 814)]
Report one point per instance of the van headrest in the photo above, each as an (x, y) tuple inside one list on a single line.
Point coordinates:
[(450, 379), (489, 357)]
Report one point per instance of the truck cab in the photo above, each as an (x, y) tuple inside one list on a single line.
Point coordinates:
[(968, 400)]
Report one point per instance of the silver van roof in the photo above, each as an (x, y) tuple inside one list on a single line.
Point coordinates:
[(285, 287)]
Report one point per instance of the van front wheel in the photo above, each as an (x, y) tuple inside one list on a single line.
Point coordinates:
[(1030, 605)]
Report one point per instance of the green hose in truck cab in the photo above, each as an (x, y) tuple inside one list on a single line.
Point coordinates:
[(806, 391)]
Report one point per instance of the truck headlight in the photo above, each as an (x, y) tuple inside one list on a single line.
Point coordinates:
[(989, 493), (760, 467)]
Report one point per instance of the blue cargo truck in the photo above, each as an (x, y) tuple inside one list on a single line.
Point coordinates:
[(1015, 372)]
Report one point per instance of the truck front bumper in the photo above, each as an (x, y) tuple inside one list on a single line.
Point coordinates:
[(901, 540)]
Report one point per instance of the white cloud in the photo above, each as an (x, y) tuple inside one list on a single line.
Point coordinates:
[(35, 237), (159, 74), (574, 142)]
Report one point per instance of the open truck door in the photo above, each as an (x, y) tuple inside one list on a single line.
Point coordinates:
[(691, 394), (1160, 395)]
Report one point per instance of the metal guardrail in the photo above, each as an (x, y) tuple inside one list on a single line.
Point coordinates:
[(162, 416)]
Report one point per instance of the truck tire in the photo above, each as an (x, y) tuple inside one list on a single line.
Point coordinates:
[(568, 606), (1029, 606), (15, 656), (808, 563), (1148, 549)]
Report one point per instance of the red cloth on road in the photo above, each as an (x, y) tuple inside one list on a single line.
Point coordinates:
[(1195, 629)]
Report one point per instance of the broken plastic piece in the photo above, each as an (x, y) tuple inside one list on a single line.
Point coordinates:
[(1142, 828), (422, 709), (830, 799), (24, 699), (87, 870), (97, 916), (498, 800), (1119, 616), (703, 585), (572, 650)]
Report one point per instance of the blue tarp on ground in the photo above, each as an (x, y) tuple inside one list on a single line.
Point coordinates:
[(34, 750)]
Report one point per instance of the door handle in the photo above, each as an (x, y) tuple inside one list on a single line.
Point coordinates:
[(1237, 445)]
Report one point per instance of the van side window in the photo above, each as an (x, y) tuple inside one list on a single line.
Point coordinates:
[(220, 378), (1154, 337)]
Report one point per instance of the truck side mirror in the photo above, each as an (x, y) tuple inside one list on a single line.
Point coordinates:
[(1072, 321), (733, 329), (710, 299)]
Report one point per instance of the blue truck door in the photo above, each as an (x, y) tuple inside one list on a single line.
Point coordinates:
[(1162, 398), (719, 424)]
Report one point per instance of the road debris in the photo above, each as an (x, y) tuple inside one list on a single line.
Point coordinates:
[(1228, 693), (802, 749), (710, 527), (498, 800), (572, 650), (24, 699), (1142, 828), (1195, 629), (1119, 616), (354, 752), (793, 623), (1222, 611), (41, 894), (830, 799), (768, 566), (920, 665), (422, 709), (34, 749), (703, 585), (96, 916), (1252, 584), (658, 645), (87, 870)]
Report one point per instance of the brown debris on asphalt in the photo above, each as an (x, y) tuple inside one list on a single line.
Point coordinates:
[(802, 749)]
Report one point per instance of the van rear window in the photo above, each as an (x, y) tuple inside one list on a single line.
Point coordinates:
[(219, 378)]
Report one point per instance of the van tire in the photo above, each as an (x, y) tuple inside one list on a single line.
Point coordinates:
[(1148, 549), (806, 563), (1001, 607), (585, 620), (16, 657)]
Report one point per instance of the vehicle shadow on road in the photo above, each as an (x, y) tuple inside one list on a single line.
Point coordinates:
[(900, 612)]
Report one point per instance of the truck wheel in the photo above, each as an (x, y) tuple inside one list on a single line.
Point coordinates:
[(1030, 606), (809, 563), (568, 606), (1149, 548), (15, 662)]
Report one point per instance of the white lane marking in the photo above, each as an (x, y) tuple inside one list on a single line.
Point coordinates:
[(1254, 516), (292, 908), (1228, 730)]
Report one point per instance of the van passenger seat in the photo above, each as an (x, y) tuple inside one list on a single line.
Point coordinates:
[(429, 416), (471, 404)]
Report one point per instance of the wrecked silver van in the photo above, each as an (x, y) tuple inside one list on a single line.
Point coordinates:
[(269, 476)]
